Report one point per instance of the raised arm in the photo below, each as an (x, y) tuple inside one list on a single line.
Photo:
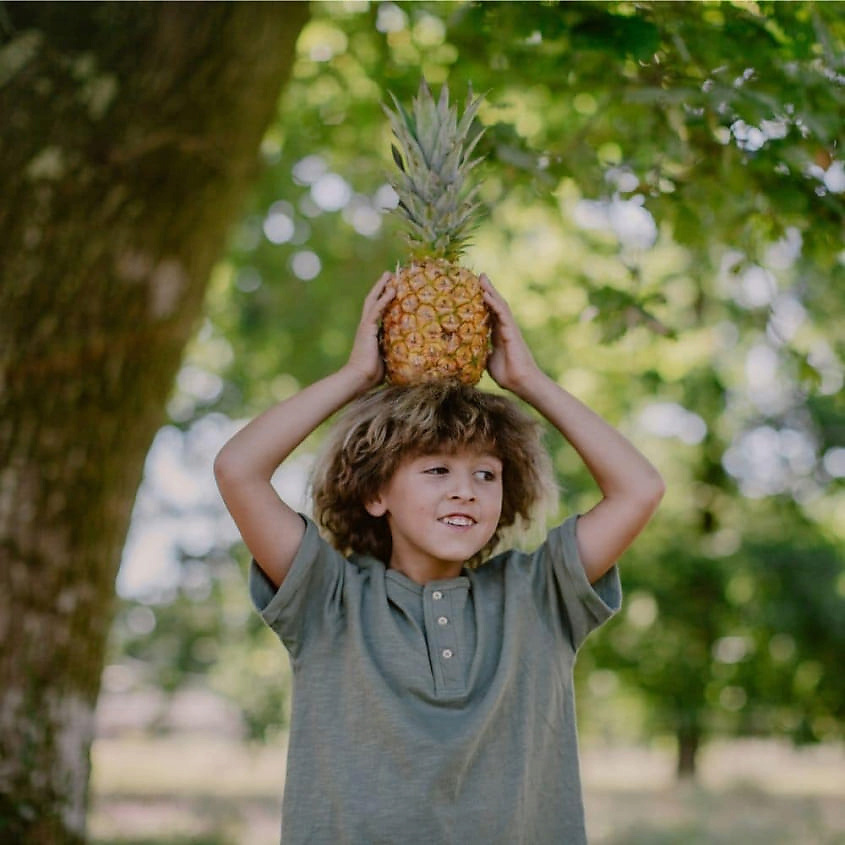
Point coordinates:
[(271, 530), (631, 487)]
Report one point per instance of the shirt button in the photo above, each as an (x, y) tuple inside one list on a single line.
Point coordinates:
[(437, 595), (442, 620), (446, 653)]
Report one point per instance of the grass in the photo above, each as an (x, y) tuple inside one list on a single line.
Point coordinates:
[(212, 791)]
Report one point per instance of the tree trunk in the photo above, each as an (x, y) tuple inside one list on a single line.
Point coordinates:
[(128, 138), (689, 740)]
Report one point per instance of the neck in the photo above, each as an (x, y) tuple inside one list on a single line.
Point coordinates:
[(422, 572)]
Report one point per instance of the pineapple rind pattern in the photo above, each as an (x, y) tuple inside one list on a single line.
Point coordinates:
[(446, 337)]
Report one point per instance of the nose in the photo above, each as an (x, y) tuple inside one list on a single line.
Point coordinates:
[(463, 488)]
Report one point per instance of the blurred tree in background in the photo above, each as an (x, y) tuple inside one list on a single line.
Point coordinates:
[(664, 184), (129, 139)]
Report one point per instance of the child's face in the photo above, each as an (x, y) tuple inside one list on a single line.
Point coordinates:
[(442, 508)]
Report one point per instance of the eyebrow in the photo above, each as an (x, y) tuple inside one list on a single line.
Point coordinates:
[(445, 453)]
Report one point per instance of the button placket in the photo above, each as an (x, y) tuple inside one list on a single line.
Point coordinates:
[(442, 609), (446, 642)]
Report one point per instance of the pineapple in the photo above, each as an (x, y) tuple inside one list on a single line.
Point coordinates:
[(437, 326)]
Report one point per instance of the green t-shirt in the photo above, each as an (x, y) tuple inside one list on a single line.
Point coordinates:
[(434, 714)]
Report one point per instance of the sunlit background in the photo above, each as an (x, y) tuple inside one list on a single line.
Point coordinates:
[(692, 299)]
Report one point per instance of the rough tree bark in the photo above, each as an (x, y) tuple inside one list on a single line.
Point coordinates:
[(128, 137)]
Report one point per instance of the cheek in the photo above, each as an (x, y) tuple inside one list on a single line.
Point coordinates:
[(498, 502)]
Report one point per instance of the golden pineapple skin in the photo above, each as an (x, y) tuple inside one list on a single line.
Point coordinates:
[(437, 326)]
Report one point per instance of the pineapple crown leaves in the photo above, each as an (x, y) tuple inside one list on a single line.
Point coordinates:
[(433, 154)]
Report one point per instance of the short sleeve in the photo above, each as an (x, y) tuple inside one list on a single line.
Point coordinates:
[(309, 598), (583, 606)]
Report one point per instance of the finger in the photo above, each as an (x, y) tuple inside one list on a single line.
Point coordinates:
[(495, 301), (488, 290), (378, 298), (375, 304), (378, 288), (386, 295), (486, 284)]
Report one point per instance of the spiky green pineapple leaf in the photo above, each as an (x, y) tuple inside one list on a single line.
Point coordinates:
[(397, 157), (434, 156)]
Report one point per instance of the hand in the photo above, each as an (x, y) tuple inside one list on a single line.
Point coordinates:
[(511, 360), (365, 359)]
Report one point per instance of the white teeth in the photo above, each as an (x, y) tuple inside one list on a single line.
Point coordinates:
[(457, 520)]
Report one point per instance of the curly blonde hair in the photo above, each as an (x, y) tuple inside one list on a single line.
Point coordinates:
[(389, 424)]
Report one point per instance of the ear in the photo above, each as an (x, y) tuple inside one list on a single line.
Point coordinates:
[(377, 507)]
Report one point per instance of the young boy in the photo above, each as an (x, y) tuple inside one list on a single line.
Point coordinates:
[(433, 696)]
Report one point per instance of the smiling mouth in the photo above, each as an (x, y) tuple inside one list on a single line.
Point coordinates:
[(457, 520)]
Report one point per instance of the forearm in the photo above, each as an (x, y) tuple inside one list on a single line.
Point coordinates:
[(257, 450), (631, 487), (270, 528), (617, 466)]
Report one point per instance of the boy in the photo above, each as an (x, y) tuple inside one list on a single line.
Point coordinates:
[(433, 698)]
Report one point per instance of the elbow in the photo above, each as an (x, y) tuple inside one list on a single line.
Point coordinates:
[(653, 491), (224, 467)]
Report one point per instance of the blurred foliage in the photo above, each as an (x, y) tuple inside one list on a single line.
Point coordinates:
[(202, 633), (664, 192)]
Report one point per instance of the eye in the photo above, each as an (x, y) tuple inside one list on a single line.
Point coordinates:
[(485, 475), (436, 470)]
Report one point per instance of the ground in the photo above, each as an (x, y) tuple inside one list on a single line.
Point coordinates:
[(195, 787)]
